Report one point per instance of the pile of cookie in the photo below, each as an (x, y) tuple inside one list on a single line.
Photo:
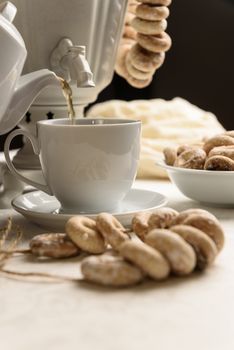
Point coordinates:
[(144, 42), (159, 243), (216, 153)]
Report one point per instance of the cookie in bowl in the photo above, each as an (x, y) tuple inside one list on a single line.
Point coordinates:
[(215, 153), (204, 172)]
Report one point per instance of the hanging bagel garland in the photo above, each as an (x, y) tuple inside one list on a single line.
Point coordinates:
[(144, 41)]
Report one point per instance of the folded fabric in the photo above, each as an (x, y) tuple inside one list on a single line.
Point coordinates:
[(164, 124)]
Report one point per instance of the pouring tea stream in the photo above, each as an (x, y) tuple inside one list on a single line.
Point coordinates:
[(96, 25), (18, 92)]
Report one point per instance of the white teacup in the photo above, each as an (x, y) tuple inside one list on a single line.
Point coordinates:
[(89, 166)]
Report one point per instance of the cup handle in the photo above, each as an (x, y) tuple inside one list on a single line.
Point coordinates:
[(12, 168)]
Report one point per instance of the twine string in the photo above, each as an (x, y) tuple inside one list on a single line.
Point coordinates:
[(27, 275), (8, 247)]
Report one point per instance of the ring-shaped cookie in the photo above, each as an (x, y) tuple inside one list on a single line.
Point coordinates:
[(132, 6), (179, 253), (203, 245), (110, 270), (154, 43), (149, 27), (218, 140), (219, 163), (162, 218), (84, 233), (136, 73), (208, 225), (53, 245), (111, 229), (148, 259), (138, 83), (129, 32), (152, 13), (128, 18), (144, 60), (140, 224), (191, 159), (120, 66), (156, 2), (183, 215), (170, 155), (226, 151), (185, 147)]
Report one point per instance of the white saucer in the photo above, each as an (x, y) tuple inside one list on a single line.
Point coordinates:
[(42, 209)]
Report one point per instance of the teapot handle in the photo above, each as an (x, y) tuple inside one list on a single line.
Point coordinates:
[(8, 10), (12, 168)]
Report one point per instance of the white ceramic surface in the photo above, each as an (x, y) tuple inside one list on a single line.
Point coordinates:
[(215, 188), (89, 166), (16, 93), (96, 24), (12, 55), (43, 209)]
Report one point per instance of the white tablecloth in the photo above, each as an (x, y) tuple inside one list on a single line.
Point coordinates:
[(181, 313)]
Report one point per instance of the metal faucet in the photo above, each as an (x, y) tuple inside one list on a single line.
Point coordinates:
[(69, 62)]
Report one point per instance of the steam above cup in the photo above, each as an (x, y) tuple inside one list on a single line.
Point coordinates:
[(89, 166)]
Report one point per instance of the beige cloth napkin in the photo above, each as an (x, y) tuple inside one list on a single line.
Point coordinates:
[(164, 124)]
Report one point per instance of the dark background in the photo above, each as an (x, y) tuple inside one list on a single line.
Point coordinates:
[(200, 65)]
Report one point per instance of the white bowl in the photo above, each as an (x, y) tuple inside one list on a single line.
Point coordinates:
[(215, 188)]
